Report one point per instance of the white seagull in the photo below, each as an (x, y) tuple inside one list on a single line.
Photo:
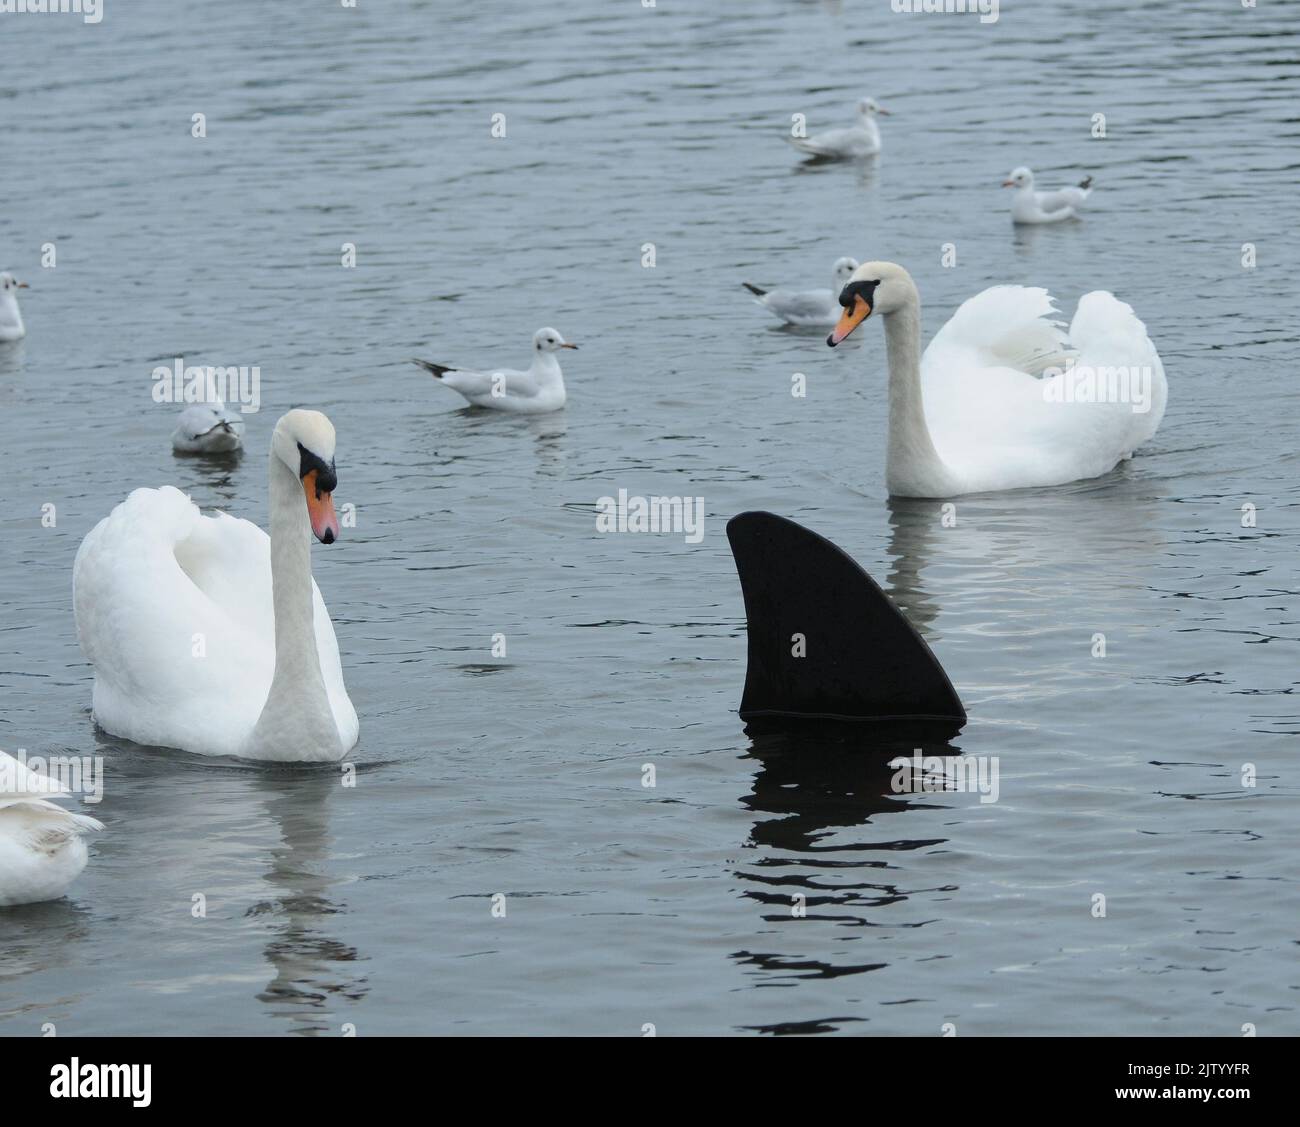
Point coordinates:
[(41, 846), (807, 307), (853, 143), (11, 320), (534, 392), (205, 428), (1028, 206)]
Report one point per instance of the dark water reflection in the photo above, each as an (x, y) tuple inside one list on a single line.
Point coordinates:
[(825, 855)]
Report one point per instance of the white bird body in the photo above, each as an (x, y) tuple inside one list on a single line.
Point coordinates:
[(208, 635), (807, 308), (536, 391), (204, 428), (1030, 206), (851, 143), (41, 845), (11, 317), (999, 399)]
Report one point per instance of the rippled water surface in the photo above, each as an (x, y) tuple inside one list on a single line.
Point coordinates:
[(522, 775)]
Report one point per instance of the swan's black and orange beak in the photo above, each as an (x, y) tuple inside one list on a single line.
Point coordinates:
[(320, 508), (318, 484), (856, 298)]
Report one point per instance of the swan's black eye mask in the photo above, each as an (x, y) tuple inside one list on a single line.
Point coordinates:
[(864, 290), (326, 479)]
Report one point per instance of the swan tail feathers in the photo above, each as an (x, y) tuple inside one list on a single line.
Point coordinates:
[(1111, 338), (1102, 323)]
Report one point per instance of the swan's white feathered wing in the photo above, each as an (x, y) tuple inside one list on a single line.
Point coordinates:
[(995, 422), (174, 610), (41, 850)]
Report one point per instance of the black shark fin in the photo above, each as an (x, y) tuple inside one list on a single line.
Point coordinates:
[(861, 659)]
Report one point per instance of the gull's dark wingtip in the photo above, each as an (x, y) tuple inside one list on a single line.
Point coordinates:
[(429, 366)]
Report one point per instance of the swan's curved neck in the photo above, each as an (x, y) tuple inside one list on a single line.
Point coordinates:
[(296, 721), (913, 466)]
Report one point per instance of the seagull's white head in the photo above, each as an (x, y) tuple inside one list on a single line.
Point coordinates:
[(843, 271), (1020, 178), (8, 283), (304, 441), (869, 107), (548, 340), (876, 287)]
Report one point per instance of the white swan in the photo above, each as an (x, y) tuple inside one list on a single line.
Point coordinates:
[(807, 307), (208, 429), (538, 390), (208, 636), (973, 414), (853, 143), (11, 318), (41, 846), (1029, 206)]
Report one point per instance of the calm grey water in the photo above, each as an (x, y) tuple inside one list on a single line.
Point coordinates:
[(672, 906)]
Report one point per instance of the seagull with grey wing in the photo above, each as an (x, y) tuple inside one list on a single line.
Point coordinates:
[(807, 308), (535, 391)]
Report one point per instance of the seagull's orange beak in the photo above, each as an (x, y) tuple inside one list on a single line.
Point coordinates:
[(569, 344), (1008, 183), (320, 510), (852, 317), (22, 285)]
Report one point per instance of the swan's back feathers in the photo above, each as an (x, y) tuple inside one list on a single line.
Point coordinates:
[(41, 846), (1108, 334), (1008, 327), (1104, 324), (1000, 421), (43, 826)]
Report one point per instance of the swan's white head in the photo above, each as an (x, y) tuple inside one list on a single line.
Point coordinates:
[(9, 284), (548, 340), (869, 107), (1020, 178), (843, 270), (304, 441), (875, 287)]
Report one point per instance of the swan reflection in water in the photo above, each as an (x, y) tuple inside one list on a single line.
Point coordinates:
[(315, 973)]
